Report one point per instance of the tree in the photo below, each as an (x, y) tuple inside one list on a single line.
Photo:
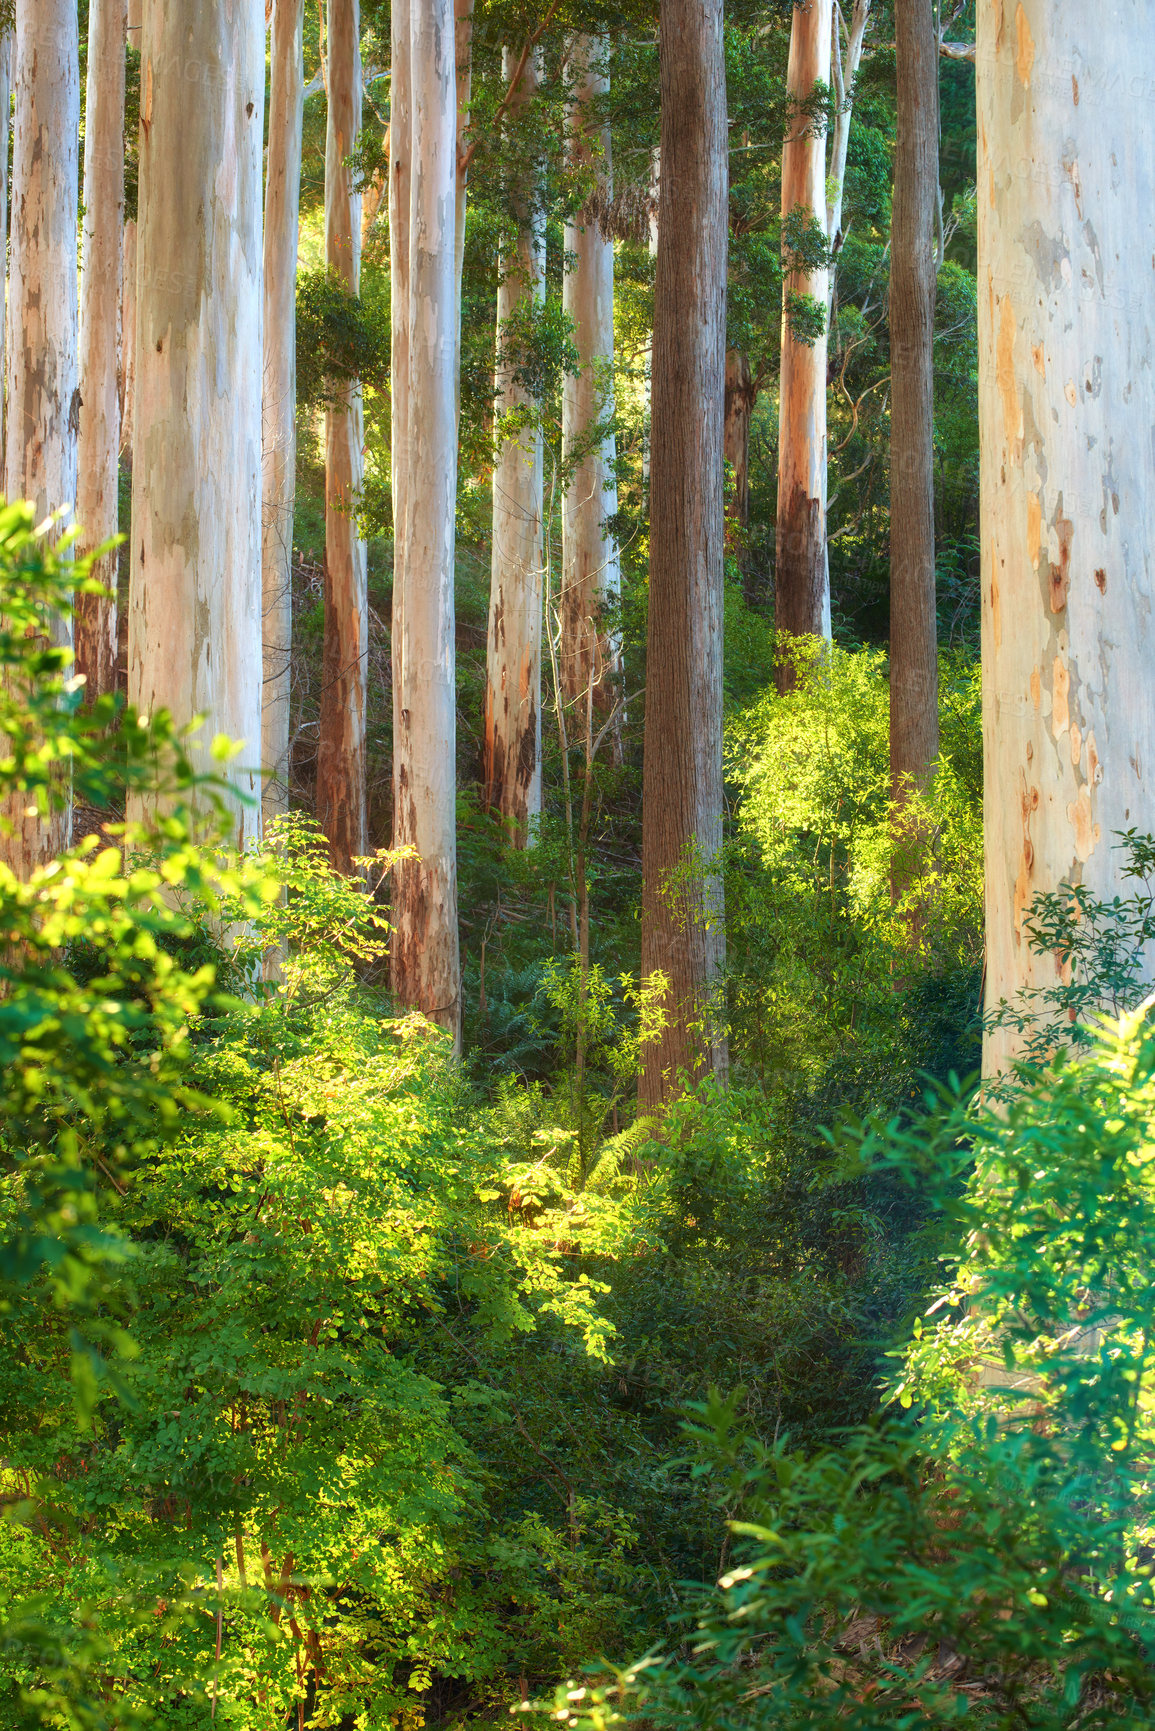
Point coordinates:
[(128, 285), (6, 46), (424, 955), (591, 569), (801, 573), (100, 302), (194, 636), (845, 58), (512, 748), (683, 935), (341, 763), (43, 375), (913, 277), (1066, 404), (279, 405)]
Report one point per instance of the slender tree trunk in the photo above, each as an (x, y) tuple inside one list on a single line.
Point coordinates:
[(341, 766), (6, 46), (133, 32), (279, 407), (512, 750), (1066, 407), (194, 640), (801, 576), (683, 934), (846, 57), (43, 378), (100, 301), (591, 567), (739, 407), (913, 276), (463, 50), (425, 961)]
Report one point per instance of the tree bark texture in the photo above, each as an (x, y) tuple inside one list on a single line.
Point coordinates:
[(43, 375), (463, 52), (846, 47), (739, 407), (424, 957), (134, 34), (1066, 160), (279, 393), (913, 280), (683, 933), (6, 48), (801, 577), (194, 643), (591, 567), (341, 763), (100, 301), (512, 746)]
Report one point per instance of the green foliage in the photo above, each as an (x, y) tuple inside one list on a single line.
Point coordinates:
[(337, 340)]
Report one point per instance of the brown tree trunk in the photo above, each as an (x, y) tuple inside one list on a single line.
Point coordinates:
[(683, 934), (801, 576), (913, 635), (341, 766), (100, 302)]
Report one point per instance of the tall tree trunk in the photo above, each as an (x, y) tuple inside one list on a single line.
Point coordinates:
[(463, 51), (913, 276), (279, 406), (1066, 407), (683, 933), (845, 59), (591, 567), (341, 766), (512, 750), (100, 298), (801, 574), (739, 407), (43, 377), (425, 960), (194, 638), (6, 47), (133, 33)]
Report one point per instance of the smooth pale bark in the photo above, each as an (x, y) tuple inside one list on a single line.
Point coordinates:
[(512, 745), (591, 566), (194, 632), (279, 404), (846, 57), (913, 278), (6, 45), (683, 932), (101, 262), (739, 407), (341, 763), (424, 955), (801, 575), (128, 287), (43, 374), (1066, 406), (463, 52)]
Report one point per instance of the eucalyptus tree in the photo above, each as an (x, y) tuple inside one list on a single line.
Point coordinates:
[(512, 737), (590, 652), (101, 262), (1066, 406), (194, 638), (279, 388), (683, 935), (424, 182), (43, 397)]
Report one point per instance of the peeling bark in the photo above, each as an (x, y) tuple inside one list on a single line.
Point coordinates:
[(512, 743), (424, 187), (100, 303), (341, 766), (194, 639), (683, 931), (1066, 406), (279, 403), (801, 576), (913, 279), (43, 375), (591, 566)]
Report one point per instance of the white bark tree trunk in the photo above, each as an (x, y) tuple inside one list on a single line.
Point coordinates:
[(591, 566), (6, 46), (341, 767), (845, 58), (43, 378), (1066, 405), (425, 961), (279, 408), (801, 579), (133, 33), (512, 749), (195, 597), (100, 302)]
